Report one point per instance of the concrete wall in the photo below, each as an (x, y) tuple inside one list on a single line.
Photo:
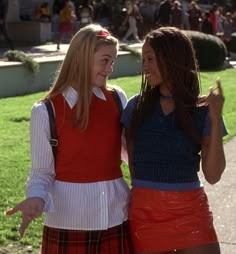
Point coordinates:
[(30, 31), (16, 79)]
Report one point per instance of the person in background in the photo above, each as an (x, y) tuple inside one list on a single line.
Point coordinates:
[(81, 189), (66, 18), (176, 15), (228, 30), (195, 16), (3, 25), (133, 15), (45, 12), (170, 129), (102, 13), (207, 27), (213, 17), (234, 21), (85, 13), (162, 17)]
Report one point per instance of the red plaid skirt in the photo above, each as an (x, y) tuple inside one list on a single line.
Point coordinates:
[(114, 240)]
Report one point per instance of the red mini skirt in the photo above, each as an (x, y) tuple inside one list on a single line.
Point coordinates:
[(65, 27), (170, 220)]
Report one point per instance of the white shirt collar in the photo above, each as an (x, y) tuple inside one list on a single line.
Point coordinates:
[(71, 95)]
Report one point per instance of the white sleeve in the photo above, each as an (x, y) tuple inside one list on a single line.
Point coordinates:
[(42, 170), (123, 98), (122, 95)]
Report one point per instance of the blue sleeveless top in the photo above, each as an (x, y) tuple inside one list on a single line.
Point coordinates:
[(163, 153)]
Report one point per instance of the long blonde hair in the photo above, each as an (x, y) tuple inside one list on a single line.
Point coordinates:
[(77, 69)]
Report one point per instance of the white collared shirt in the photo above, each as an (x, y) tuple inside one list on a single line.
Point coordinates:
[(77, 206)]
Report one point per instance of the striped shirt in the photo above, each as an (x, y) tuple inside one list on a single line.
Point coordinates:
[(85, 206)]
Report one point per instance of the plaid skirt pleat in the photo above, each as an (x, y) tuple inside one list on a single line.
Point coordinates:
[(115, 240)]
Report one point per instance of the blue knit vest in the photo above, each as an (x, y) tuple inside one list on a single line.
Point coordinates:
[(163, 152)]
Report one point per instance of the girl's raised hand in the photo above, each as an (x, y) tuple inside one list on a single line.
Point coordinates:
[(215, 100)]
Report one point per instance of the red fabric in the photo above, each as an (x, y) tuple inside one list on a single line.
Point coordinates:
[(213, 21), (94, 154), (115, 240), (65, 27), (168, 220)]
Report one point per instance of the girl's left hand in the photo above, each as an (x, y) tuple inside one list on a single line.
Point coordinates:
[(215, 100)]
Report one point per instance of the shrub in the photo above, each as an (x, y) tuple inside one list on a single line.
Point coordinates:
[(20, 56), (210, 50)]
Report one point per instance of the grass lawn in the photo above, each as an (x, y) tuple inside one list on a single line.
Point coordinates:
[(15, 153)]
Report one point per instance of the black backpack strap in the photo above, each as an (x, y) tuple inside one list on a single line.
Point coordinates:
[(117, 99), (118, 103), (52, 125)]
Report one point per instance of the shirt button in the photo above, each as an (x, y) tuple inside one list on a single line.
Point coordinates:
[(103, 193)]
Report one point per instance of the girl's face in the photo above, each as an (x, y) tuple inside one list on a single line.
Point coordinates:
[(149, 66), (104, 59)]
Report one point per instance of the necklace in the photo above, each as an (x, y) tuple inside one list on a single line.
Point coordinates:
[(166, 97)]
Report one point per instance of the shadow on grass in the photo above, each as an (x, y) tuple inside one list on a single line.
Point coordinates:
[(20, 119)]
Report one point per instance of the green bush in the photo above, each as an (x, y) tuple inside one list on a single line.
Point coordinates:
[(20, 56), (210, 50)]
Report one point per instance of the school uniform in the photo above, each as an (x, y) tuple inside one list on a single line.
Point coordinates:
[(86, 196)]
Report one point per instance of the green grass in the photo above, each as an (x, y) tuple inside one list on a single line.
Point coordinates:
[(15, 148)]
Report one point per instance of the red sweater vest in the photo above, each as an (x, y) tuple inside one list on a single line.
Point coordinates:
[(94, 154)]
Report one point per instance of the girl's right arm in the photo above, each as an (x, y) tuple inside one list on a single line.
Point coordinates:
[(42, 170), (213, 157)]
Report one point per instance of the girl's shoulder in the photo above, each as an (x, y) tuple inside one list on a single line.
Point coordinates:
[(129, 110), (117, 88), (132, 102), (120, 92), (133, 99)]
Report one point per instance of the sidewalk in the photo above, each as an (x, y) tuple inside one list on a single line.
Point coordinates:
[(49, 50), (222, 199), (45, 50)]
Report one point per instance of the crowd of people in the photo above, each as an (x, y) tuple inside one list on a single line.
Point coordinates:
[(137, 21), (215, 21)]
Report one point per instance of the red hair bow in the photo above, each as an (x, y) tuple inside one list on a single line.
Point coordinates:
[(103, 34)]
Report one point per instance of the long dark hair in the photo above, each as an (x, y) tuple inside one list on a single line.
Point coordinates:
[(178, 66)]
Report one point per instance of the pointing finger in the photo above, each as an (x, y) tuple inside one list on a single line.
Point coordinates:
[(13, 210), (219, 86)]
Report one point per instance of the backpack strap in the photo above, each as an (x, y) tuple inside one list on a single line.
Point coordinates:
[(52, 120), (52, 126), (117, 99), (118, 103)]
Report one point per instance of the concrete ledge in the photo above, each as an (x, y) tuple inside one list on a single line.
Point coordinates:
[(30, 31), (16, 79)]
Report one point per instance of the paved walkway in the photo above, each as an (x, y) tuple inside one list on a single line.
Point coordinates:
[(222, 196), (48, 50)]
